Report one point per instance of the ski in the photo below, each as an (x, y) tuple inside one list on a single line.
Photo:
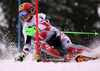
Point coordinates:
[(79, 58), (53, 60)]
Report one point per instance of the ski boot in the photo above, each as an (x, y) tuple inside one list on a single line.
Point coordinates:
[(81, 58)]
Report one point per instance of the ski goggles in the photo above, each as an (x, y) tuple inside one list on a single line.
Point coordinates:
[(23, 13)]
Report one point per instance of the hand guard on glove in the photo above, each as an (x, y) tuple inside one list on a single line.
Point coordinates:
[(20, 57)]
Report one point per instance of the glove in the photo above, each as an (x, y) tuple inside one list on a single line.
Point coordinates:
[(20, 57)]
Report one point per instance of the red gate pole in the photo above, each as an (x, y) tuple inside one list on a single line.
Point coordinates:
[(37, 40)]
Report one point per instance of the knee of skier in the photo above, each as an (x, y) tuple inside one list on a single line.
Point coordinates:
[(78, 48)]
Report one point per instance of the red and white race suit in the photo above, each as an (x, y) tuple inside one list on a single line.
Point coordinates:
[(46, 30)]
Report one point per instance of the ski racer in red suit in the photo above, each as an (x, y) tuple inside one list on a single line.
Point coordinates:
[(51, 40)]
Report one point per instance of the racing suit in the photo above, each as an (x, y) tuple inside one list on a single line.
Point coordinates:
[(50, 35)]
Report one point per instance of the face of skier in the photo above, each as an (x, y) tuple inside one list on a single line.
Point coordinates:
[(26, 16)]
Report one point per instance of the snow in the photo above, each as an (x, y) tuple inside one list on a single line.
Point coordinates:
[(3, 21), (30, 65), (10, 65), (98, 10)]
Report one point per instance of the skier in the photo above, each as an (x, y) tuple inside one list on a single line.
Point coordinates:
[(52, 41)]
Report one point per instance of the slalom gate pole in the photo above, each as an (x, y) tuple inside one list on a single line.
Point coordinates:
[(37, 40), (19, 28)]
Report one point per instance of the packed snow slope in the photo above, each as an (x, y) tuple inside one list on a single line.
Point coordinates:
[(9, 65), (30, 65)]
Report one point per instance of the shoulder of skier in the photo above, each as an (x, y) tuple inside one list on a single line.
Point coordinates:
[(43, 22), (43, 18)]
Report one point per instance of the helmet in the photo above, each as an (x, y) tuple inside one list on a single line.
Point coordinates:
[(26, 6), (25, 9)]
